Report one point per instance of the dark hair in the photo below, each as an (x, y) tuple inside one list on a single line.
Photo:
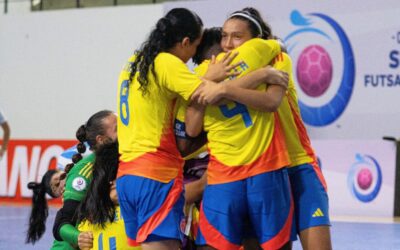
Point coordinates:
[(177, 24), (40, 211), (255, 14), (210, 37), (97, 206), (88, 133)]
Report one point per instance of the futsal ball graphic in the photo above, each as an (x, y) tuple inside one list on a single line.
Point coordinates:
[(314, 70), (364, 178)]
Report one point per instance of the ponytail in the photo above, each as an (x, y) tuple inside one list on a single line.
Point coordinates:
[(177, 24), (81, 148), (39, 212), (88, 133)]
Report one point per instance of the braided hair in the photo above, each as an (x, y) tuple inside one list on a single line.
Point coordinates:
[(177, 24), (88, 133)]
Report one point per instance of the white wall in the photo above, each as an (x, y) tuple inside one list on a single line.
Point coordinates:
[(15, 7), (59, 67)]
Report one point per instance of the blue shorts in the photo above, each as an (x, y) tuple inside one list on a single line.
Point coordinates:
[(262, 202), (152, 210), (310, 198)]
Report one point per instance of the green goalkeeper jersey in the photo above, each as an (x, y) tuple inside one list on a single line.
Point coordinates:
[(78, 179), (76, 185)]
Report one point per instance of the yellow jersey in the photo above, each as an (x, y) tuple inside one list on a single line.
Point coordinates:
[(111, 237), (146, 137), (244, 142), (297, 141)]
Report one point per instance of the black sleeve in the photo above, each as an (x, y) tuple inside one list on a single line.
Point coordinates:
[(66, 215)]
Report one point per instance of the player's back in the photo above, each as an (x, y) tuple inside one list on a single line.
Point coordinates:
[(145, 124)]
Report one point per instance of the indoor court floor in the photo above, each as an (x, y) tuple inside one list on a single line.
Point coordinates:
[(346, 235)]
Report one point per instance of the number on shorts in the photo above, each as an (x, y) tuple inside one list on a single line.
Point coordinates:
[(123, 103), (239, 109)]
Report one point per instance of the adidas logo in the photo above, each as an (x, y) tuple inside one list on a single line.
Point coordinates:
[(318, 213)]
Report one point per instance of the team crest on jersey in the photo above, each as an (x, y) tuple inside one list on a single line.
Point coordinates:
[(79, 184)]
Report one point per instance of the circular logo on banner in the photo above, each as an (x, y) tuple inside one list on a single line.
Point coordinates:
[(365, 178), (79, 184), (325, 68)]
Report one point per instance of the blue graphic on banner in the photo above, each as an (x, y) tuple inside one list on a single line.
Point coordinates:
[(314, 69), (365, 178)]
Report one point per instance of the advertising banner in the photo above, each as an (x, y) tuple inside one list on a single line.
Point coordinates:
[(346, 60), (26, 161), (360, 176)]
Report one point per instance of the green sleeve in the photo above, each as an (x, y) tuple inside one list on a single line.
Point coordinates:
[(69, 234)]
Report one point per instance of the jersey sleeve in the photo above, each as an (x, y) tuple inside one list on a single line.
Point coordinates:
[(201, 69), (265, 49), (282, 62), (176, 76)]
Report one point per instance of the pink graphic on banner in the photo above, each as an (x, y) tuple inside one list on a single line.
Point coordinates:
[(314, 70)]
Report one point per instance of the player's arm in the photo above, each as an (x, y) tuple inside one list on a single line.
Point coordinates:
[(267, 74), (186, 144), (219, 70), (64, 224), (211, 93), (208, 93), (190, 145), (194, 118), (194, 190), (269, 100), (266, 101)]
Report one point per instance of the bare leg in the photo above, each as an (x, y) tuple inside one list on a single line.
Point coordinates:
[(161, 245), (251, 244), (316, 238), (287, 246)]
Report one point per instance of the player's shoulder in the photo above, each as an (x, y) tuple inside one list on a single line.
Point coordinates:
[(259, 42), (282, 58), (164, 57), (87, 160), (201, 69), (82, 167)]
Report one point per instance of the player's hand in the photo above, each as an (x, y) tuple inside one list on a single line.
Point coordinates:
[(85, 240), (209, 92), (113, 192), (220, 70), (276, 77)]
